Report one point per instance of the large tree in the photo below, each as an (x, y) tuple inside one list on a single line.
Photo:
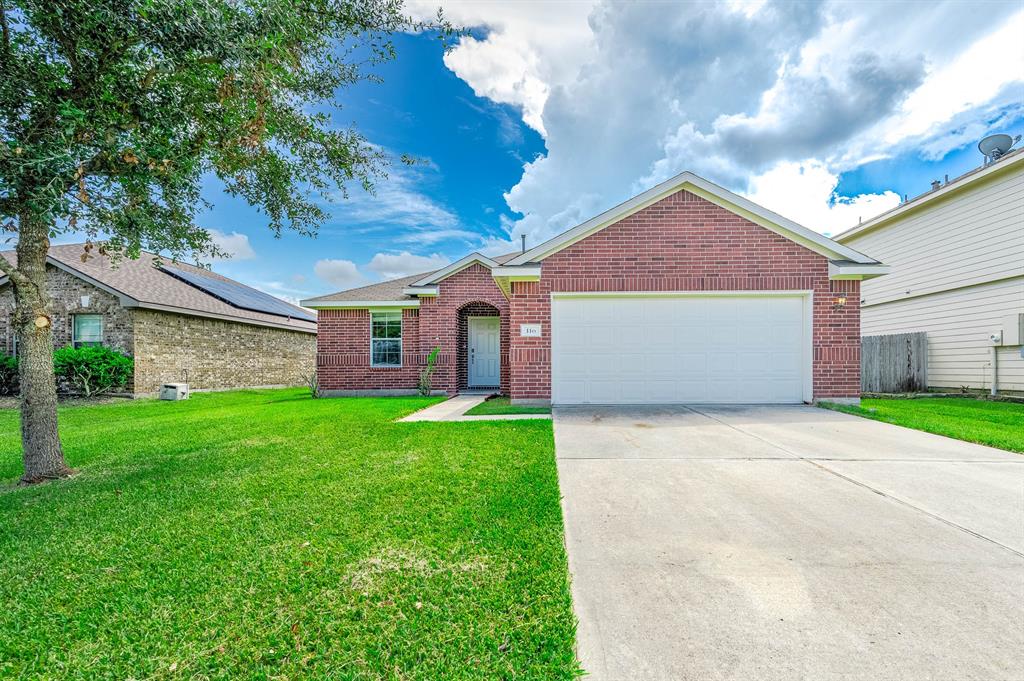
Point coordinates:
[(112, 113)]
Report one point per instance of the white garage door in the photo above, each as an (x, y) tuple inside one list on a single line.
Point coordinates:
[(680, 349)]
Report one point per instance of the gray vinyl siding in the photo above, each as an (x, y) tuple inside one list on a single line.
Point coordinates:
[(958, 324), (957, 273)]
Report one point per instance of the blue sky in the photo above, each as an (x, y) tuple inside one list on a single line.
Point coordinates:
[(547, 114)]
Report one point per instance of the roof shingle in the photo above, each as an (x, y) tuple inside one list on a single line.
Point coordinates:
[(141, 280)]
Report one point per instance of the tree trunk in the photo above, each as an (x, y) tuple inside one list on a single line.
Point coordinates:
[(43, 455)]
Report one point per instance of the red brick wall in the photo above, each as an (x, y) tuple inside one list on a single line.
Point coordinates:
[(343, 338), (685, 243), (343, 353)]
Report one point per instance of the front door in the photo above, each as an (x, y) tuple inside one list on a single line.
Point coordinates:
[(484, 352)]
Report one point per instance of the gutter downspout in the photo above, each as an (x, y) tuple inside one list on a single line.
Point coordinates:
[(995, 370)]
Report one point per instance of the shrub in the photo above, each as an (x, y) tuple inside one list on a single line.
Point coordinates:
[(8, 375), (312, 381), (92, 370), (427, 375)]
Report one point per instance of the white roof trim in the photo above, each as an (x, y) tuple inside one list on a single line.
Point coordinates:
[(954, 186), (520, 273), (723, 197), (856, 270), (455, 268), (315, 304), (420, 290)]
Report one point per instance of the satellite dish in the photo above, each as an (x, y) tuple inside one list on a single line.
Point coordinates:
[(995, 146)]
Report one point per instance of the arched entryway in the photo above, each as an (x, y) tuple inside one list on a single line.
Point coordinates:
[(479, 347)]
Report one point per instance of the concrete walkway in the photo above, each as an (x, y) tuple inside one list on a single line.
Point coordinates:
[(454, 409), (780, 543)]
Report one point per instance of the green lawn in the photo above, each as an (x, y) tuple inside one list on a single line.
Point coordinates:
[(263, 534), (503, 405), (997, 424)]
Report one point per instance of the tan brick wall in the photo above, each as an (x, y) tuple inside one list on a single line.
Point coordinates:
[(216, 354), (67, 291)]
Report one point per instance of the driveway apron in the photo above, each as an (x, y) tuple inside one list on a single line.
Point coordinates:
[(789, 543)]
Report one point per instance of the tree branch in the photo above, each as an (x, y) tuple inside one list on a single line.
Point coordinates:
[(12, 272), (6, 28)]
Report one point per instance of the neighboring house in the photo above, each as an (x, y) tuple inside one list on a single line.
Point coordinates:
[(685, 293), (957, 258), (181, 323)]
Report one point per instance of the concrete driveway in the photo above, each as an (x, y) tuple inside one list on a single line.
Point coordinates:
[(789, 543)]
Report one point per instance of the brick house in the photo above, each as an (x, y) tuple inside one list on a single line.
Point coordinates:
[(179, 322), (685, 293)]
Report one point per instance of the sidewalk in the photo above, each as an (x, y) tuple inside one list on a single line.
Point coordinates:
[(455, 409)]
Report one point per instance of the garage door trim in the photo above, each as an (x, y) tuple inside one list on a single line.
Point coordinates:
[(807, 297)]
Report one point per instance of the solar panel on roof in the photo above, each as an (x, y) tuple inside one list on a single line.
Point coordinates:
[(239, 296)]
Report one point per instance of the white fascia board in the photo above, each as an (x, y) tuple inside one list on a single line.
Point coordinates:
[(420, 290), (707, 190), (955, 186), (856, 271), (520, 273), (315, 304), (455, 268)]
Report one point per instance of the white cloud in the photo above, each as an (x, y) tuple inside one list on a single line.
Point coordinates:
[(400, 207), (235, 245), (774, 99), (806, 193), (341, 273), (531, 46), (394, 265)]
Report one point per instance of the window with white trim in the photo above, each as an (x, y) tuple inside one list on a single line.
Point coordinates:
[(86, 330), (386, 338)]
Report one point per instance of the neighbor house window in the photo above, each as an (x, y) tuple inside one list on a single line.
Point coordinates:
[(87, 330), (386, 339)]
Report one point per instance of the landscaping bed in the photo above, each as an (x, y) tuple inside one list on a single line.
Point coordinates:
[(264, 534)]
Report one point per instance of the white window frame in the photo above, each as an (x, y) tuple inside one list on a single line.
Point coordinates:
[(74, 328), (390, 315)]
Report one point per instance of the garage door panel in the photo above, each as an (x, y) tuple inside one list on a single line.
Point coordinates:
[(755, 363), (724, 390), (723, 335), (692, 391), (631, 350), (628, 336)]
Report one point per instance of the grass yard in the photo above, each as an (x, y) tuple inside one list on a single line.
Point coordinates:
[(497, 406), (997, 424), (264, 534)]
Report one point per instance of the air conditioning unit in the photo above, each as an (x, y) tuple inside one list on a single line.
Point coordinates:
[(174, 391)]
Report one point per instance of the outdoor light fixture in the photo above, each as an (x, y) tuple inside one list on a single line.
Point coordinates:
[(838, 303)]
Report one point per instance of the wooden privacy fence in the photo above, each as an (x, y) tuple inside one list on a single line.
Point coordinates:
[(894, 363)]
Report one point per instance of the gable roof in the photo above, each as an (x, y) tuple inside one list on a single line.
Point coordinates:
[(385, 291), (455, 268), (393, 291), (711, 192), (141, 283), (1010, 161)]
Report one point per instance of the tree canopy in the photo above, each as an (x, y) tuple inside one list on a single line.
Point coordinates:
[(113, 111)]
